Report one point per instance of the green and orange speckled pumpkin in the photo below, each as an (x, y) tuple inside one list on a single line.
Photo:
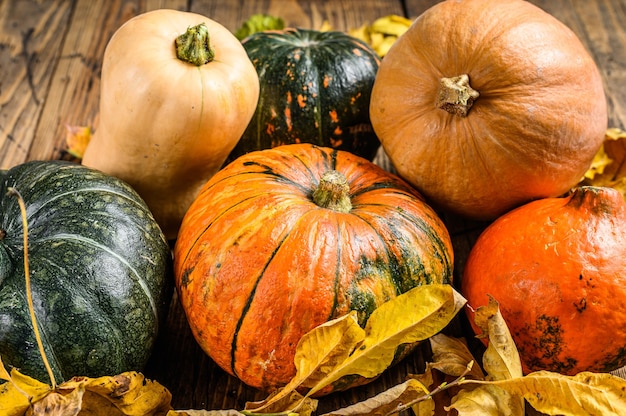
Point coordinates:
[(275, 245), (315, 88), (557, 268)]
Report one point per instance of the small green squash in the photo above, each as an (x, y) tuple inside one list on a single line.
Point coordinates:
[(100, 272), (315, 88)]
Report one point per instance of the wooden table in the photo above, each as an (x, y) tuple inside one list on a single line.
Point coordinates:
[(50, 60)]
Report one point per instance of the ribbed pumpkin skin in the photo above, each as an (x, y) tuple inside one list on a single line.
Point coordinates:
[(315, 88), (534, 129), (100, 272), (258, 264), (557, 267)]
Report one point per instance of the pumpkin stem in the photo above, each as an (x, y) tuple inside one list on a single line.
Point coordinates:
[(456, 96), (597, 199), (29, 294), (333, 192), (194, 46)]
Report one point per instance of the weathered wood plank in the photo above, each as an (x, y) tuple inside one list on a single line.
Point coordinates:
[(74, 91), (340, 14), (31, 36)]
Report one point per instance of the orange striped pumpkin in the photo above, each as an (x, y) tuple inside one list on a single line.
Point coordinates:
[(275, 245)]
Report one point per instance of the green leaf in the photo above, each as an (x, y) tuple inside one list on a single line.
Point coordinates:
[(258, 23)]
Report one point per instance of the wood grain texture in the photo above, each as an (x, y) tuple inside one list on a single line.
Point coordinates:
[(31, 38), (50, 62)]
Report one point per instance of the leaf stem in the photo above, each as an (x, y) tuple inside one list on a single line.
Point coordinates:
[(443, 386), (29, 296)]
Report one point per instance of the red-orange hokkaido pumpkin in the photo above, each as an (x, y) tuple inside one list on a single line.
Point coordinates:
[(484, 105), (557, 267), (275, 245)]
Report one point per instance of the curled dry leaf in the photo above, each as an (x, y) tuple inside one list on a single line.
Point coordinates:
[(411, 317), (122, 395), (388, 401), (382, 33), (501, 359), (341, 348), (318, 352), (451, 356), (609, 165), (487, 400), (551, 393), (504, 389)]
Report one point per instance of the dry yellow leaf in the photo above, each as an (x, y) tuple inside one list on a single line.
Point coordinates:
[(76, 140), (19, 391), (392, 24), (609, 164), (382, 33), (600, 161), (553, 394), (501, 359), (486, 400), (411, 317), (127, 394), (318, 352), (341, 348), (387, 401)]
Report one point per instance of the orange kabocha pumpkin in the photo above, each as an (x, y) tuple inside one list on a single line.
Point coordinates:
[(282, 240), (484, 105), (557, 268)]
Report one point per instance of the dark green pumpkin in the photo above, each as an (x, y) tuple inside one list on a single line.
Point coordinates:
[(100, 272), (315, 88)]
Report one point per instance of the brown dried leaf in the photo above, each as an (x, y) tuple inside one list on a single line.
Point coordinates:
[(284, 401), (451, 356), (55, 404), (387, 401)]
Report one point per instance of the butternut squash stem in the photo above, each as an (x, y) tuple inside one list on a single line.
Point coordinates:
[(29, 296), (333, 192), (194, 45), (456, 96)]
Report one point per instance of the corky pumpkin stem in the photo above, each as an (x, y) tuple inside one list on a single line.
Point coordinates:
[(456, 96), (333, 192), (194, 46)]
